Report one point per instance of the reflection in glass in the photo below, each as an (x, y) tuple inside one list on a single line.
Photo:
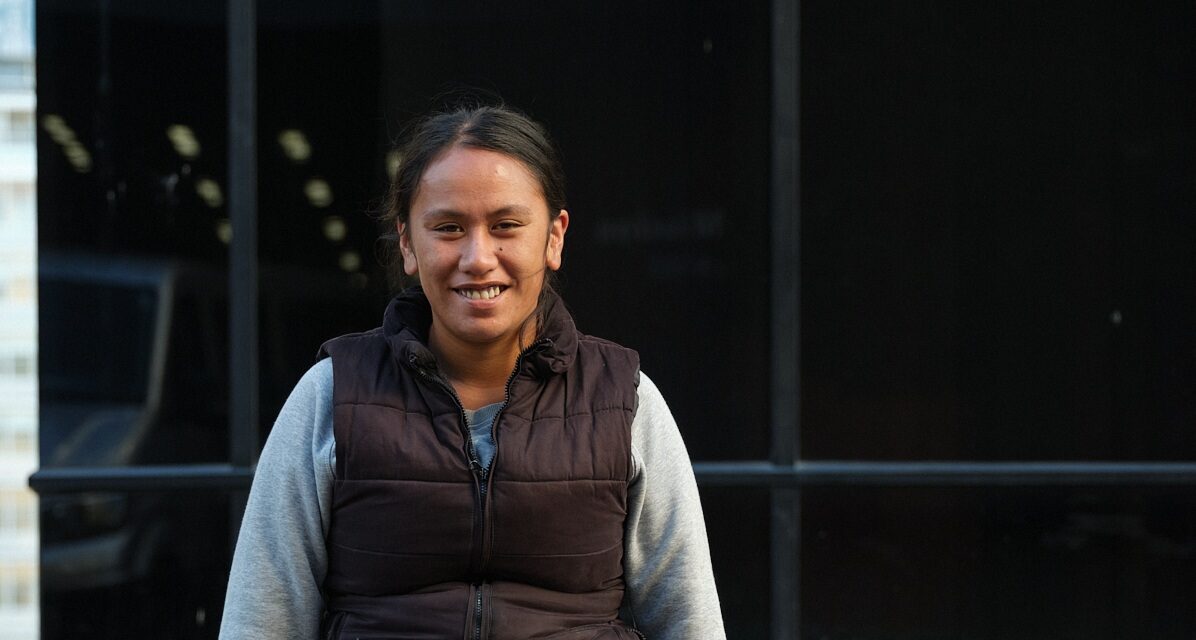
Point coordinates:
[(132, 361), (119, 565), (81, 368), (661, 112), (996, 244), (998, 563), (737, 525)]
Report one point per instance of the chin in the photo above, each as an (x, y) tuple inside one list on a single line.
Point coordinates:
[(484, 335)]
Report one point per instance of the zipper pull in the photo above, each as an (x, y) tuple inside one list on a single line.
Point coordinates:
[(482, 484)]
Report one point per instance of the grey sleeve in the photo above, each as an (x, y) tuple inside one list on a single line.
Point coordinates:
[(670, 583), (280, 560)]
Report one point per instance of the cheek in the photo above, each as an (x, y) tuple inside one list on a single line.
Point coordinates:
[(424, 257), (523, 260)]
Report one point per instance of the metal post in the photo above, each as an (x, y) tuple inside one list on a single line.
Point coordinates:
[(242, 211), (243, 436), (785, 214)]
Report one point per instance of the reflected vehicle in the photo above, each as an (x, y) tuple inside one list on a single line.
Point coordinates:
[(134, 371)]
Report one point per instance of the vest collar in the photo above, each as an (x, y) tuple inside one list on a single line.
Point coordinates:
[(409, 316)]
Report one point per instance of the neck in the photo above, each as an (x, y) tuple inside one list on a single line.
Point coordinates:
[(477, 372)]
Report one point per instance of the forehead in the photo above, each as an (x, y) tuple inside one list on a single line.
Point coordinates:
[(471, 172)]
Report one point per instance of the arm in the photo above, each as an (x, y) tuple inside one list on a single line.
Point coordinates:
[(280, 560), (670, 584)]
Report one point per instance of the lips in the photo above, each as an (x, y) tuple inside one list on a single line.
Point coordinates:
[(484, 293)]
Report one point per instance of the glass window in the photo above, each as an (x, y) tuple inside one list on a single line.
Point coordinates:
[(737, 525), (661, 113), (131, 161), (994, 218), (134, 227), (141, 565), (991, 243), (997, 563), (132, 142), (672, 256)]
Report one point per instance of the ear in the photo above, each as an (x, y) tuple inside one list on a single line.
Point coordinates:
[(556, 240), (410, 264)]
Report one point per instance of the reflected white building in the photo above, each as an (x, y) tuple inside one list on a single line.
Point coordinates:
[(18, 324)]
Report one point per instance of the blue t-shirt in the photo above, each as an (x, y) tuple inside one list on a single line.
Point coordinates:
[(480, 421)]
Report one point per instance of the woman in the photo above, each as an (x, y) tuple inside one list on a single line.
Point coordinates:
[(475, 467)]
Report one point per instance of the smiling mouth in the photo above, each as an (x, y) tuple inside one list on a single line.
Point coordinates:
[(488, 293)]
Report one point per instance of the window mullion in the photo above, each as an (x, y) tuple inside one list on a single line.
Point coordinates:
[(785, 384)]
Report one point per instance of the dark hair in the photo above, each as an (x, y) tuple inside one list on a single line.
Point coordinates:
[(494, 128)]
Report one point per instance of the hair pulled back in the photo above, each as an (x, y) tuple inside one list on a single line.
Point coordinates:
[(493, 128)]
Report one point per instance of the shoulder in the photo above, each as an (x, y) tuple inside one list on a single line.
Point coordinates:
[(351, 341), (611, 353), (655, 437), (319, 375), (303, 415), (360, 361), (653, 429), (652, 405), (607, 372), (313, 389), (602, 343)]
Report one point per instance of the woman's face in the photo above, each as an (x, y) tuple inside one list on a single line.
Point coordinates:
[(479, 238)]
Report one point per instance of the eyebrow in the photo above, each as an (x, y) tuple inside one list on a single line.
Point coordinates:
[(510, 209)]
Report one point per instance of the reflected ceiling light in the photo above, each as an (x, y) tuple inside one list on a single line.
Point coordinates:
[(183, 140), (224, 230), (350, 261), (294, 144), (209, 191), (318, 192), (334, 228), (64, 136), (79, 158), (58, 129), (393, 160)]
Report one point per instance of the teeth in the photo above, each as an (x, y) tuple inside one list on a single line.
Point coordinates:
[(480, 294)]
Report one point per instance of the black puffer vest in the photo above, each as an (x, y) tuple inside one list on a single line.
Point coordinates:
[(424, 543)]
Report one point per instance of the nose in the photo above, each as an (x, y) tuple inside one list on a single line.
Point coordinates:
[(478, 254)]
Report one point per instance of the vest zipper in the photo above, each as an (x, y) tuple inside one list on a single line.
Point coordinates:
[(475, 464), (488, 473), (479, 591), (482, 474)]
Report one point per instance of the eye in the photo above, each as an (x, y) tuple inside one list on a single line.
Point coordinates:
[(507, 225), (447, 227)]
